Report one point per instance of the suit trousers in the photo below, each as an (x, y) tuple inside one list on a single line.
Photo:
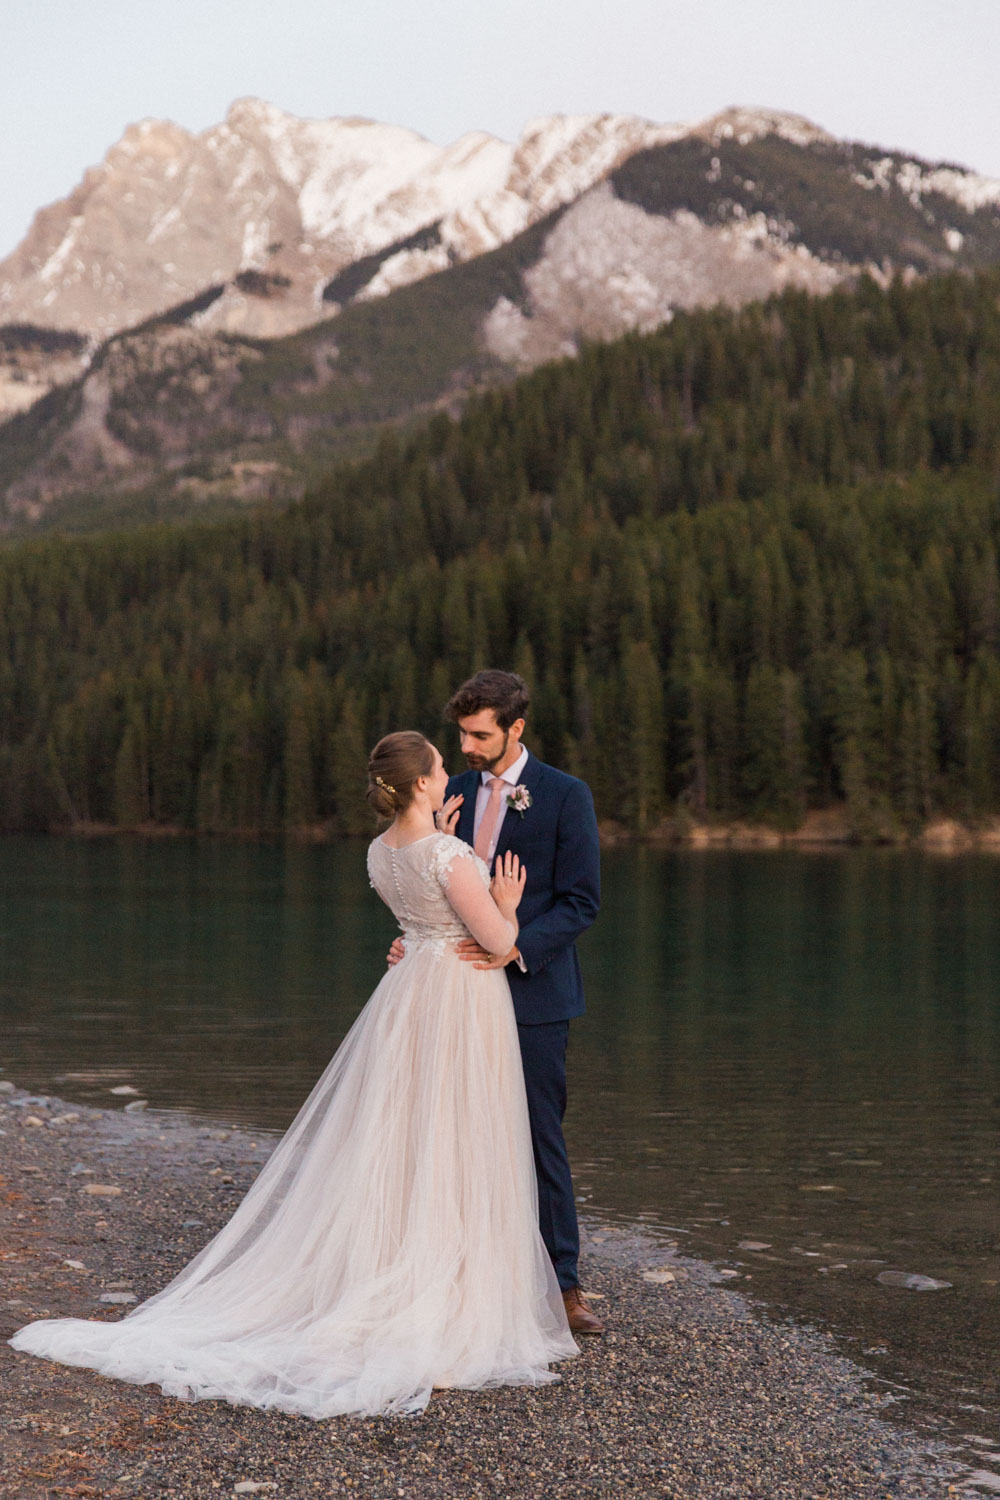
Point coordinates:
[(543, 1053)]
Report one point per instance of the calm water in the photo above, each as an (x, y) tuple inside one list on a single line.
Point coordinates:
[(798, 1049)]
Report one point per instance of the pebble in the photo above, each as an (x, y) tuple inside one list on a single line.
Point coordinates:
[(912, 1282), (252, 1486), (136, 1105), (33, 1120), (75, 1265), (123, 1088), (658, 1275), (102, 1190), (6, 1087), (118, 1298), (63, 1119), (753, 1245)]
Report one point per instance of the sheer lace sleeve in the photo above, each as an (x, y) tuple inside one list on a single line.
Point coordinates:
[(461, 878)]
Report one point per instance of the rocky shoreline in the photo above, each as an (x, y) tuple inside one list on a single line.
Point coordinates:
[(823, 828), (693, 1393)]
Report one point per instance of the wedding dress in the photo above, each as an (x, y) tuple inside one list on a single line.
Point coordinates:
[(391, 1242)]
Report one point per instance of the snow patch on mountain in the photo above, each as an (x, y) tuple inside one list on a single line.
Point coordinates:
[(56, 262), (916, 179), (608, 266), (402, 269)]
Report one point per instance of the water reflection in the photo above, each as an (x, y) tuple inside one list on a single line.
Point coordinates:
[(796, 1049), (806, 1055)]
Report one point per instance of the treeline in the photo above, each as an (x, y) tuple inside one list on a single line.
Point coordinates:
[(748, 564)]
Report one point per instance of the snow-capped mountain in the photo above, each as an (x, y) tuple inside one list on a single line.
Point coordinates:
[(214, 315), (168, 214), (259, 218)]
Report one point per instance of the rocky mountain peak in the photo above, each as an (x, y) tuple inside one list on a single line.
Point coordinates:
[(157, 139), (744, 124), (169, 213)]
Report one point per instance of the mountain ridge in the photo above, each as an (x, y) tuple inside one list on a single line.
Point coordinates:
[(169, 211), (195, 406)]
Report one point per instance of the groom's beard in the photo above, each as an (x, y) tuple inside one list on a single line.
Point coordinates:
[(480, 762)]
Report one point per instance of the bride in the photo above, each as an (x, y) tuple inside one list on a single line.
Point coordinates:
[(391, 1242)]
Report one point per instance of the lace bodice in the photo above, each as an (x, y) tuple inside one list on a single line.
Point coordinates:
[(438, 891)]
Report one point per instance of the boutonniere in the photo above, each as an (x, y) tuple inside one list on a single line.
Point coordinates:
[(520, 800)]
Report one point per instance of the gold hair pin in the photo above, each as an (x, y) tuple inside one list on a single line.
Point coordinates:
[(385, 786)]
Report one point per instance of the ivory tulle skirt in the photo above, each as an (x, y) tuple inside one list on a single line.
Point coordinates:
[(389, 1245)]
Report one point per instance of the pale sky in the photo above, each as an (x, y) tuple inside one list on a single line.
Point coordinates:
[(915, 74)]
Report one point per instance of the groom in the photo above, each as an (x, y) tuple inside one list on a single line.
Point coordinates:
[(509, 800)]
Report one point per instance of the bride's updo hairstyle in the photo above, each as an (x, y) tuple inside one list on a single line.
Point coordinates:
[(393, 766)]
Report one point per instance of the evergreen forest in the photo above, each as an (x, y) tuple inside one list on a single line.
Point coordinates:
[(747, 563)]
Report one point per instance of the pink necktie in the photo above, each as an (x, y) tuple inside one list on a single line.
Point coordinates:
[(491, 816)]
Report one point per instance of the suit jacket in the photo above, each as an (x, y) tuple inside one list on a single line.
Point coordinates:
[(556, 841)]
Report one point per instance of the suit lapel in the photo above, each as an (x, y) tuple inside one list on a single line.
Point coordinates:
[(465, 828), (530, 777)]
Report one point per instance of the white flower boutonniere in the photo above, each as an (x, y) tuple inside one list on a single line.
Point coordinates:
[(519, 800)]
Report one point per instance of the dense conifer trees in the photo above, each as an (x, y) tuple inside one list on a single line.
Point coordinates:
[(748, 562)]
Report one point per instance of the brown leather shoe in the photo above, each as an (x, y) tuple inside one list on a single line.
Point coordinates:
[(582, 1317)]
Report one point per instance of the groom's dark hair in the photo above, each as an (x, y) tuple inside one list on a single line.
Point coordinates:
[(504, 692)]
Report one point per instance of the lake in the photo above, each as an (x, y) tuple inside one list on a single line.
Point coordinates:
[(797, 1049)]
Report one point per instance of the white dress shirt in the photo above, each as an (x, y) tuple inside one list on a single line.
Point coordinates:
[(512, 775)]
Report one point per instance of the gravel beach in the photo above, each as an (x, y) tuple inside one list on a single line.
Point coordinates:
[(693, 1393)]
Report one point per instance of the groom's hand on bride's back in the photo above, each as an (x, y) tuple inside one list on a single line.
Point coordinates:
[(474, 953)]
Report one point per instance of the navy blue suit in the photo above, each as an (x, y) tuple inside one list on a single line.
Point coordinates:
[(556, 841)]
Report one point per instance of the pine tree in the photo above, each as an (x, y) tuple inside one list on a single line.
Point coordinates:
[(774, 767), (348, 759), (300, 792), (851, 713), (643, 703), (131, 805)]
